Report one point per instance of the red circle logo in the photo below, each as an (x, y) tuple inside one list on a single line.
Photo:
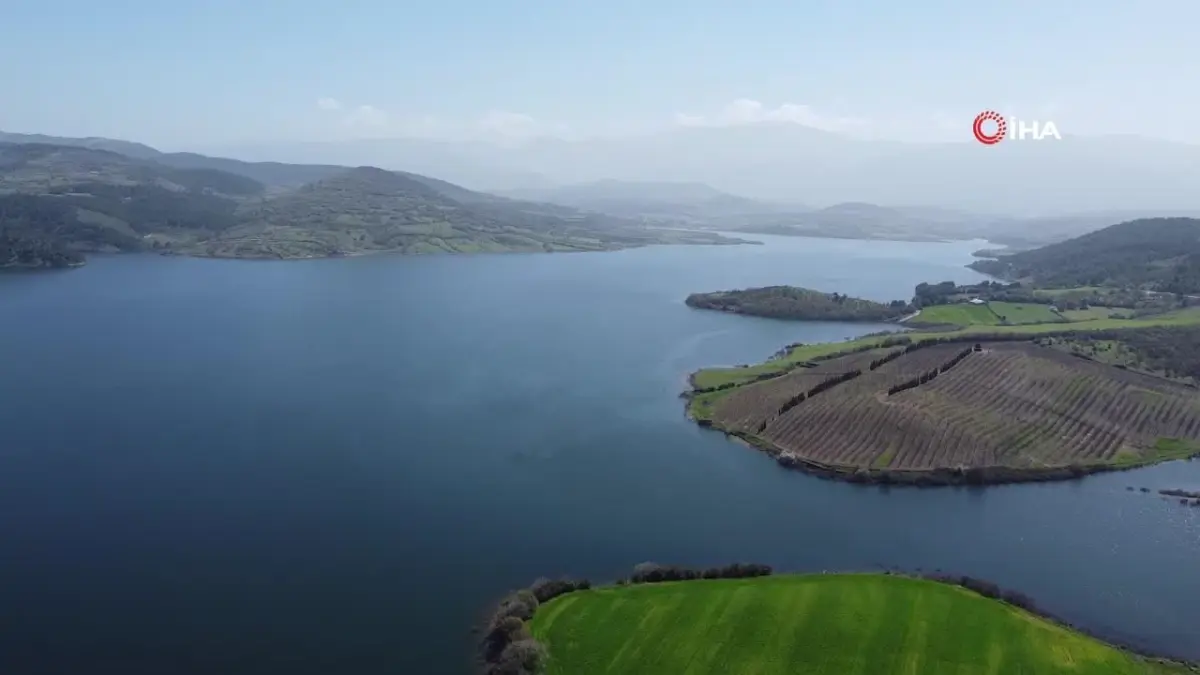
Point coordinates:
[(985, 138)]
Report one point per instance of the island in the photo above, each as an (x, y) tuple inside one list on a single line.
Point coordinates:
[(1001, 381), (668, 619), (790, 302)]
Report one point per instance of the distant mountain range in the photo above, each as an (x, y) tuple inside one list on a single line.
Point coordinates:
[(792, 164), (59, 199), (252, 208)]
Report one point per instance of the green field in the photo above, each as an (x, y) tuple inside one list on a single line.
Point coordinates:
[(966, 314), (712, 377), (836, 624), (960, 314), (1024, 312), (1078, 290), (1095, 313)]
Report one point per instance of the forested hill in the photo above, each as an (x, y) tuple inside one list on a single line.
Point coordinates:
[(790, 302), (1157, 253), (58, 199)]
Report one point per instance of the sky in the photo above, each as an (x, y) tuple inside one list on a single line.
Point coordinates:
[(191, 74)]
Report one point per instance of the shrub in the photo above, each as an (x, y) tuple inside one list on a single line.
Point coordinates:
[(500, 635), (546, 589), (523, 657)]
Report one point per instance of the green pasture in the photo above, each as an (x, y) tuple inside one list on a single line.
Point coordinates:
[(1024, 312), (844, 624), (959, 314)]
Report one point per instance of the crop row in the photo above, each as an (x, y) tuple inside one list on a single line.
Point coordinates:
[(927, 377), (1011, 404)]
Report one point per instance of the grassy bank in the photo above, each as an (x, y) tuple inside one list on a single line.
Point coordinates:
[(838, 624), (713, 377)]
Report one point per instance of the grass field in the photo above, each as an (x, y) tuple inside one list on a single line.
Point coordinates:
[(959, 315), (1095, 313), (842, 624), (1022, 313), (1059, 292), (712, 377)]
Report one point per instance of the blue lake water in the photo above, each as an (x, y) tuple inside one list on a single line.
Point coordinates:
[(336, 465)]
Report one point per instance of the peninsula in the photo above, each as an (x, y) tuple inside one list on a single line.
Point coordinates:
[(790, 302), (667, 619), (1010, 386)]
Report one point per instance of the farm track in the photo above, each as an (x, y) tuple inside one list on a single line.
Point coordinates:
[(1013, 404)]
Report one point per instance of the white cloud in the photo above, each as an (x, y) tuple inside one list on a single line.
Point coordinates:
[(329, 104), (746, 111), (366, 116)]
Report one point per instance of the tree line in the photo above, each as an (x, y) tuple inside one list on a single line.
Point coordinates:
[(824, 385), (929, 376)]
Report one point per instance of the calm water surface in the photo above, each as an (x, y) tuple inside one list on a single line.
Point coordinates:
[(332, 466)]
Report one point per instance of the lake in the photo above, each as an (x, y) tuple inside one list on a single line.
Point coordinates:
[(336, 465)]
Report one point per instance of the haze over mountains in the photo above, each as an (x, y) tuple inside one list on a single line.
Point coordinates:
[(67, 196), (770, 178), (789, 163)]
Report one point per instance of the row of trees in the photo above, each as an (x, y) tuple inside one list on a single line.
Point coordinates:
[(888, 359), (650, 573), (929, 376), (988, 590), (823, 385)]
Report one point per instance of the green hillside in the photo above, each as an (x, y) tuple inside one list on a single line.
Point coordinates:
[(835, 624), (1158, 253), (59, 199)]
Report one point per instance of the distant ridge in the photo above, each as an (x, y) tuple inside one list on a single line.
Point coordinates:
[(59, 199)]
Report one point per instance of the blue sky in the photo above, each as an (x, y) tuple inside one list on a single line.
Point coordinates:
[(189, 74)]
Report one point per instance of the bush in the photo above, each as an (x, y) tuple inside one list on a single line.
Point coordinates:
[(500, 635), (546, 589), (521, 604), (523, 657)]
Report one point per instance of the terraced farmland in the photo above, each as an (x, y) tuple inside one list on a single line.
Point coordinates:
[(1014, 405)]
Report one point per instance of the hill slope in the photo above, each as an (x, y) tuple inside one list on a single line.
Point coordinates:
[(830, 623), (1160, 254), (69, 197), (657, 199)]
